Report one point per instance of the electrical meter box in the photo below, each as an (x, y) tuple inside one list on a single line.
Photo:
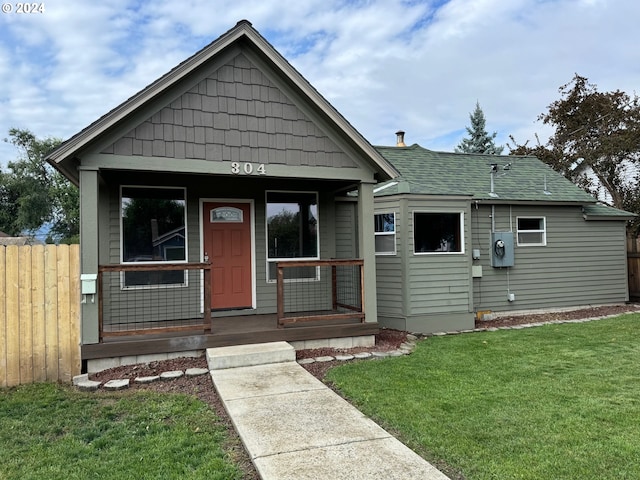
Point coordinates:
[(502, 249), (88, 283)]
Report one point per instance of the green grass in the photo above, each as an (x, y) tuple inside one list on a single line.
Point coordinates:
[(54, 432), (551, 402)]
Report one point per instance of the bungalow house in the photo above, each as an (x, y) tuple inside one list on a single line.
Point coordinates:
[(217, 207), (214, 211), (459, 235)]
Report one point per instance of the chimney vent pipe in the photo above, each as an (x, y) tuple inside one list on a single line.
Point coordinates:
[(400, 139)]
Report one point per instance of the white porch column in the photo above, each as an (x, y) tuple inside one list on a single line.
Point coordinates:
[(89, 237), (366, 244)]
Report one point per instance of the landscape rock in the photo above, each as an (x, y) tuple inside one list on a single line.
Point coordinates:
[(171, 375), (117, 384)]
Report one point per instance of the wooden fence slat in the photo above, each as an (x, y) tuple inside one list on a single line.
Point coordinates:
[(74, 310), (38, 314), (64, 356), (51, 312), (3, 318), (13, 317), (24, 310)]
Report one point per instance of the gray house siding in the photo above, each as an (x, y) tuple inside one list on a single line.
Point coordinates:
[(235, 114), (424, 292), (439, 284), (580, 264), (346, 229), (390, 278)]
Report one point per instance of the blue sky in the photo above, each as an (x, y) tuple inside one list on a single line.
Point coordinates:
[(386, 65)]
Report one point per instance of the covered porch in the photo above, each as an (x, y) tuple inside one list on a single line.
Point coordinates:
[(180, 318)]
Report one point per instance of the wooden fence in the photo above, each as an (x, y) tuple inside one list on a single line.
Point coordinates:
[(39, 314), (633, 267)]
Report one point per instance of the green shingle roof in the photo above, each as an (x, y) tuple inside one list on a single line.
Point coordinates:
[(427, 172), (603, 212)]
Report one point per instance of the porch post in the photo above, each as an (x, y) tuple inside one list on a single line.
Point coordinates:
[(89, 236), (366, 244)]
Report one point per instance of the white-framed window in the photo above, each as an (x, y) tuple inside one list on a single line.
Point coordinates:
[(153, 231), (532, 231), (438, 232), (385, 233), (292, 233)]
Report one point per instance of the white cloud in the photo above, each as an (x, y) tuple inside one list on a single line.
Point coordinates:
[(384, 64)]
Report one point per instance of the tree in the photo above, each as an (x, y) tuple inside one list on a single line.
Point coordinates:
[(479, 140), (596, 143), (33, 195)]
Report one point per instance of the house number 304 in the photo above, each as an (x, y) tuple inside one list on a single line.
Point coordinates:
[(238, 168)]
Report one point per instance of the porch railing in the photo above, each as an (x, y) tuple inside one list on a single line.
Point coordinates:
[(320, 290), (159, 298)]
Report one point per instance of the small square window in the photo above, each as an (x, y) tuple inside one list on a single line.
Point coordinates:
[(385, 233), (437, 232), (532, 231)]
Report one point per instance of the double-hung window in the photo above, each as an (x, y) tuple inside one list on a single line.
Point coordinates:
[(385, 233), (532, 231), (292, 233), (438, 232), (153, 232)]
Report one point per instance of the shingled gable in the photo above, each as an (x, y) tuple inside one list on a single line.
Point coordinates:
[(112, 133)]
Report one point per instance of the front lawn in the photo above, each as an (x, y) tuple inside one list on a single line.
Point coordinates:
[(551, 402), (54, 432)]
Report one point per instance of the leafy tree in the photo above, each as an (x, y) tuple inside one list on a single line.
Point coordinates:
[(33, 194), (479, 140), (596, 143)]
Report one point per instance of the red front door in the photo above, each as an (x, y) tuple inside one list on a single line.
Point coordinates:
[(227, 243)]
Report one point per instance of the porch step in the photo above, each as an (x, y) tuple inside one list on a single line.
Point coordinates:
[(220, 358)]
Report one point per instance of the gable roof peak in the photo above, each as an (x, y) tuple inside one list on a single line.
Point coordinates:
[(64, 158)]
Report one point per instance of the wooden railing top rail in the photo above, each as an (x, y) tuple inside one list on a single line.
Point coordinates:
[(318, 263), (137, 267)]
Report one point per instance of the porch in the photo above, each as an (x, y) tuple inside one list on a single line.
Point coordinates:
[(151, 309), (226, 331)]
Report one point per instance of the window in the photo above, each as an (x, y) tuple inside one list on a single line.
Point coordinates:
[(385, 232), (532, 231), (292, 232), (437, 232), (153, 231)]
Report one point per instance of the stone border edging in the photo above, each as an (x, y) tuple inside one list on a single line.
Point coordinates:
[(82, 382), (405, 348)]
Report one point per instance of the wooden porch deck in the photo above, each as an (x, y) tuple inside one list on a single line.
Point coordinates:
[(227, 331)]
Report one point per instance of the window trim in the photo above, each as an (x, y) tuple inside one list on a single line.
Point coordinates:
[(394, 233), (123, 285), (460, 214), (269, 260), (543, 231)]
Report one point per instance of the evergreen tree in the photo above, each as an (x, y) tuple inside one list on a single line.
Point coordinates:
[(479, 140)]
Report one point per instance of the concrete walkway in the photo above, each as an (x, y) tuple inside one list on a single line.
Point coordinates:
[(294, 427)]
